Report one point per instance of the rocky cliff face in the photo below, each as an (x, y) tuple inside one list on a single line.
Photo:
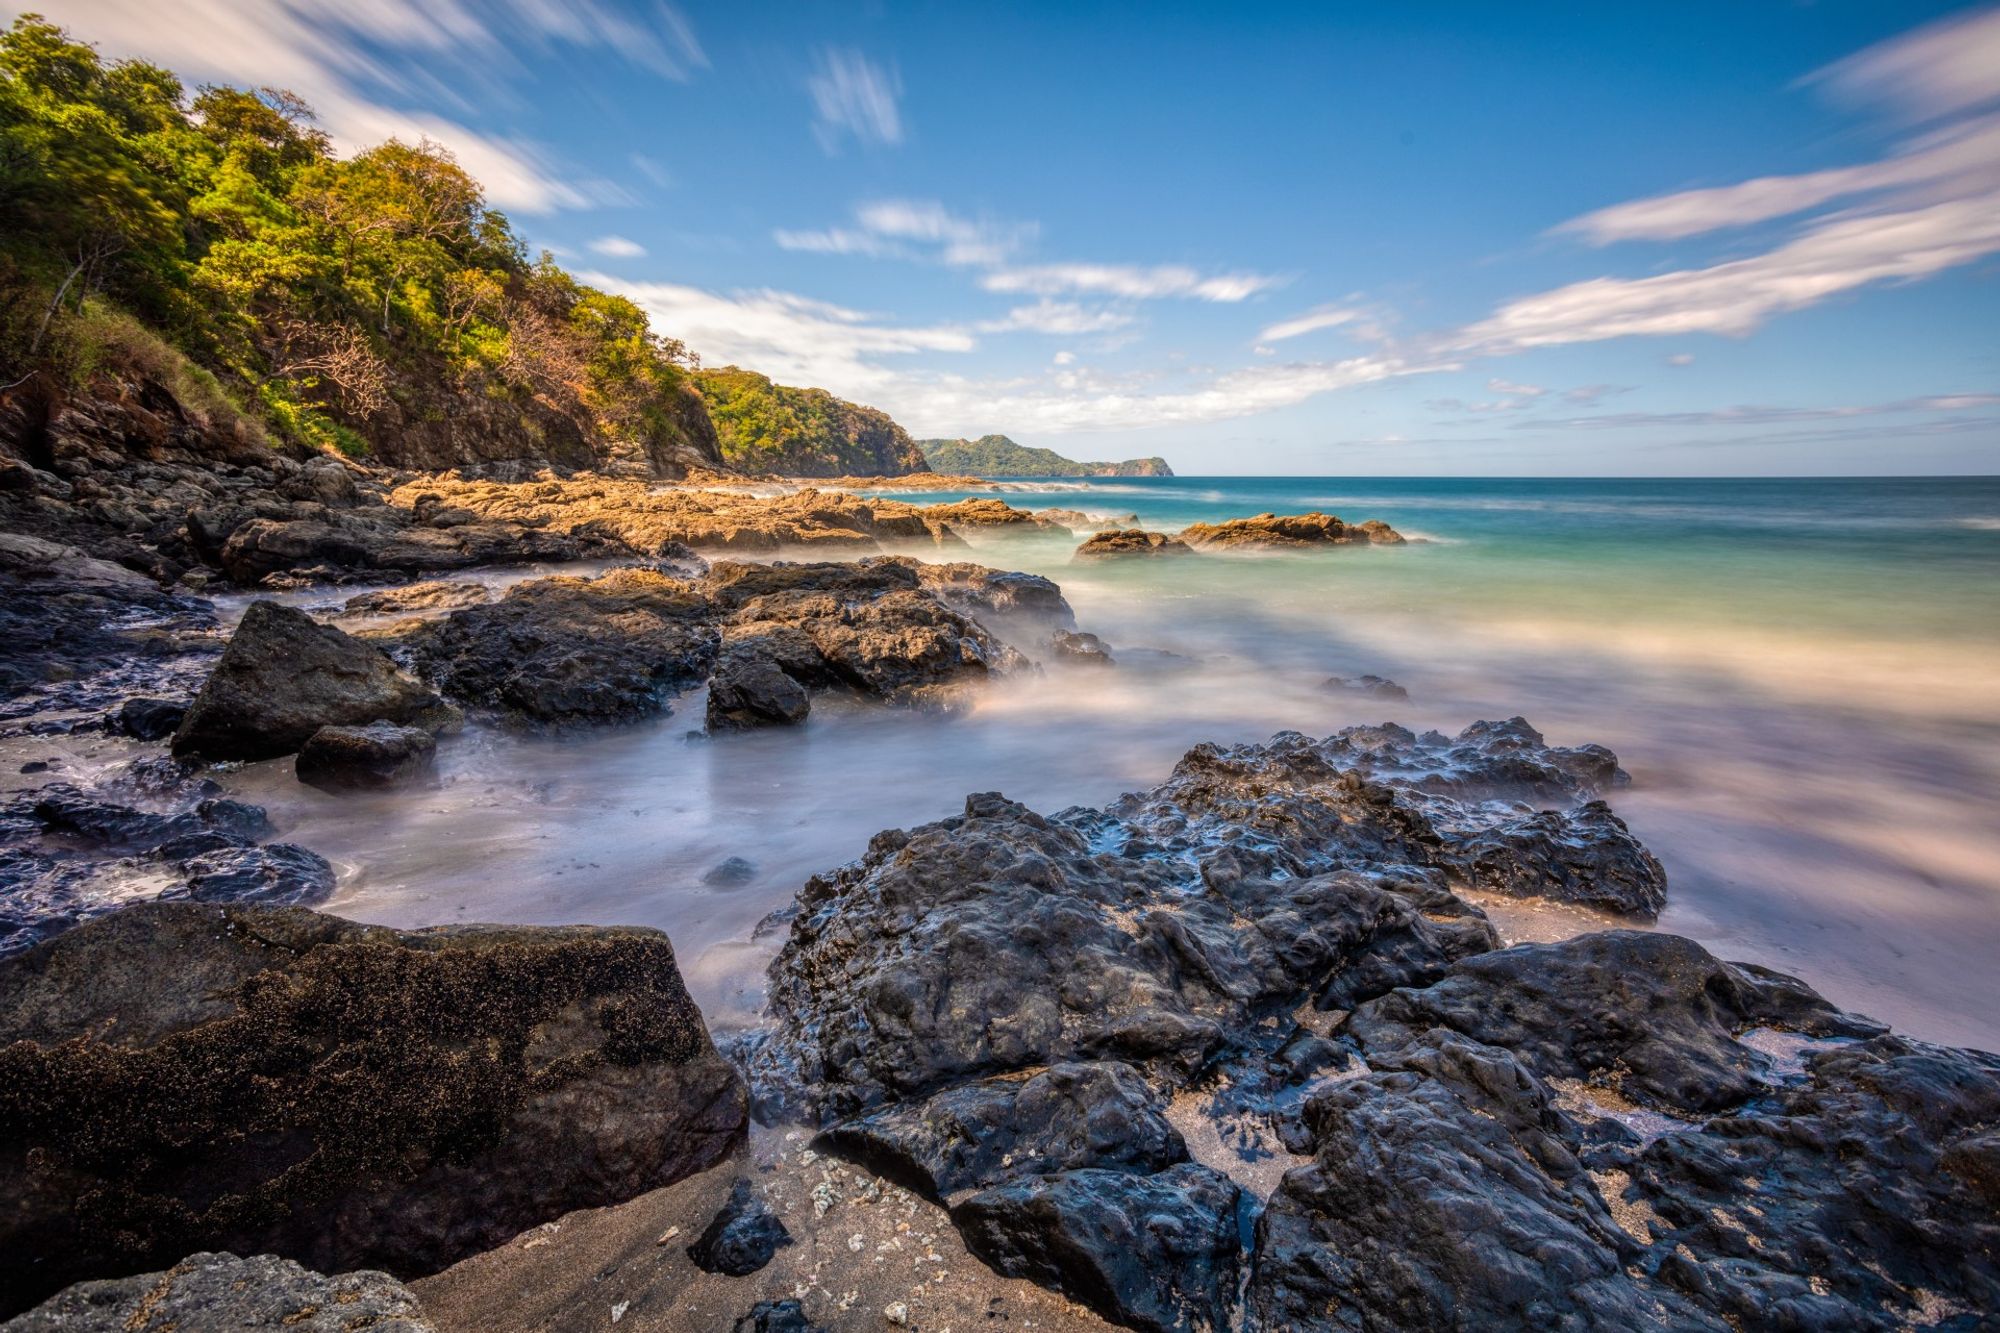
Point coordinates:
[(998, 456), (780, 430)]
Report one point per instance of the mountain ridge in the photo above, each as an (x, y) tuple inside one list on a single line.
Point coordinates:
[(999, 456)]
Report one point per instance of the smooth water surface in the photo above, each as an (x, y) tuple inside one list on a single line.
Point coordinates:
[(1803, 677)]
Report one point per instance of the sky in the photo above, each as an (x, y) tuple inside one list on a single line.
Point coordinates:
[(1754, 238)]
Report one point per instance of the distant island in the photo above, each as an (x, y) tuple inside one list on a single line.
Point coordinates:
[(998, 456)]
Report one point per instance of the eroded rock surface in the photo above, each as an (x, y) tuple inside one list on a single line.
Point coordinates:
[(1288, 531), (378, 755), (223, 1291), (284, 676), (175, 1077), (1119, 543)]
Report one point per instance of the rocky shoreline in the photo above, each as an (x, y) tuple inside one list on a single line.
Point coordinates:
[(1241, 1050)]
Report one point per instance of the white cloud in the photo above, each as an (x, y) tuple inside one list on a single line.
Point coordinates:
[(1132, 281), (1060, 318), (329, 53), (617, 247), (1681, 359), (1514, 390), (1945, 67), (1757, 415), (1589, 395), (915, 230), (1312, 321), (853, 96), (1063, 359)]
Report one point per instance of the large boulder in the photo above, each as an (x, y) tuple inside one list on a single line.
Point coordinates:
[(378, 755), (222, 1291), (284, 676), (177, 1076), (1119, 543), (1288, 532)]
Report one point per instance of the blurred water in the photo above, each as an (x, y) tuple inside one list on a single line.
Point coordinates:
[(1801, 675)]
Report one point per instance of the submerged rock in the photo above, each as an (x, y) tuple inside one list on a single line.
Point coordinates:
[(177, 1076), (1288, 531), (283, 677), (742, 1237), (378, 755), (750, 689), (222, 1291), (1081, 649), (1121, 542)]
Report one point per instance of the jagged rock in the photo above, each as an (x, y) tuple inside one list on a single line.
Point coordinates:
[(1062, 1118), (149, 719), (1081, 649), (1020, 608), (1117, 543), (177, 1076), (1288, 531), (742, 1237), (418, 598), (66, 812), (283, 677), (1158, 1252), (1368, 687), (571, 650), (750, 689), (277, 875), (1586, 856), (378, 755), (221, 1291)]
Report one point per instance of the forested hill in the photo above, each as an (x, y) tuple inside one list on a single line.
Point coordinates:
[(998, 456), (775, 429), (215, 246)]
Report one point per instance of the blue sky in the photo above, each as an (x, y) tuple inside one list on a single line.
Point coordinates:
[(1753, 238)]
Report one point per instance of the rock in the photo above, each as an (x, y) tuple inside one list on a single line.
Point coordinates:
[(1062, 1118), (1586, 856), (751, 690), (1485, 1171), (1368, 687), (742, 1237), (571, 650), (149, 719), (1081, 649), (283, 677), (221, 1291), (1121, 542), (278, 875), (1158, 1252), (418, 599), (1287, 531), (1653, 1017), (177, 1076), (776, 1317), (730, 871), (64, 811), (378, 755), (1019, 608)]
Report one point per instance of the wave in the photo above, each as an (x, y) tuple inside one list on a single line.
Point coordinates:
[(1979, 523)]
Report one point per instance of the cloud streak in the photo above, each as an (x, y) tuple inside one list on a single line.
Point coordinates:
[(853, 97)]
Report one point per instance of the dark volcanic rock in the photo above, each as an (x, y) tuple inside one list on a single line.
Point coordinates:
[(380, 754), (283, 677), (177, 1076), (418, 598), (1368, 687), (980, 1134), (742, 1237), (1020, 608), (1156, 1252), (572, 650), (1081, 649), (278, 875), (1121, 542), (776, 1317), (1586, 856), (1288, 532), (749, 689), (221, 1291), (149, 719)]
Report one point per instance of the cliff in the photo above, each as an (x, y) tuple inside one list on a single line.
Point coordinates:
[(779, 430), (998, 456)]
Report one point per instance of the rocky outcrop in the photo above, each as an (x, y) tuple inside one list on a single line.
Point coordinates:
[(153, 831), (176, 1077), (1081, 649), (1367, 687), (284, 676), (1119, 543), (416, 599), (1286, 532), (222, 1291), (378, 755), (567, 650)]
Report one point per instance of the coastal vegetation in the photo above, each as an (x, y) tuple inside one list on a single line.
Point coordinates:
[(998, 456), (776, 429)]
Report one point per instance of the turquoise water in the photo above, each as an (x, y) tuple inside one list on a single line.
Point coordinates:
[(1803, 678)]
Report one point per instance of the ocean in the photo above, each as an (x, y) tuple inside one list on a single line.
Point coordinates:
[(1802, 676)]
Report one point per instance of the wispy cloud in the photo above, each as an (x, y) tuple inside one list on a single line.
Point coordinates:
[(1132, 281), (1312, 321), (1060, 318), (617, 247), (914, 229), (331, 54), (852, 96), (1759, 415)]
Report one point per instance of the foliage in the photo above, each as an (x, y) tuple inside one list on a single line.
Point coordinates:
[(998, 456), (775, 429), (340, 297)]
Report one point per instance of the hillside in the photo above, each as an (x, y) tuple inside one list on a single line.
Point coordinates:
[(998, 456), (215, 246), (774, 429)]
